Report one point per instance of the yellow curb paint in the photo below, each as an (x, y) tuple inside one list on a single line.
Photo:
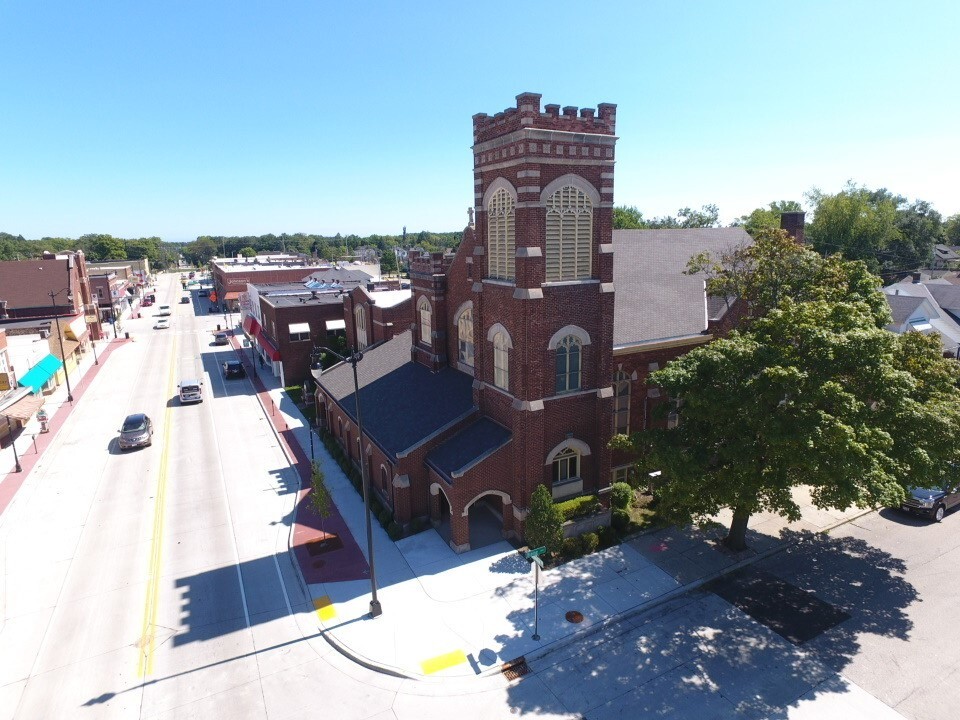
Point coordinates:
[(442, 662), (324, 607)]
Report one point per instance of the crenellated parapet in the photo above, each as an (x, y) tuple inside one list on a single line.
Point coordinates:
[(528, 114)]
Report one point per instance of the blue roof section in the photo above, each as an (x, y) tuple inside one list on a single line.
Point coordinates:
[(403, 403), (468, 447), (39, 374)]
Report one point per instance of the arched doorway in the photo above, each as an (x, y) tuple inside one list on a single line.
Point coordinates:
[(485, 517)]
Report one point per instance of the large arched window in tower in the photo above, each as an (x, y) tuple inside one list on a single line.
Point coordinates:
[(569, 235), (360, 325), (501, 239), (424, 311), (465, 337), (621, 403), (569, 353), (501, 361)]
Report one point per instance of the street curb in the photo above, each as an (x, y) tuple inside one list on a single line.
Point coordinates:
[(304, 586), (680, 591), (549, 648)]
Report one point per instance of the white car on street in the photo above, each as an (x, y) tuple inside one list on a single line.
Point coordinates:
[(162, 324)]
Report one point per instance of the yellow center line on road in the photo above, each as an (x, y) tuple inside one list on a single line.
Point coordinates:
[(148, 633)]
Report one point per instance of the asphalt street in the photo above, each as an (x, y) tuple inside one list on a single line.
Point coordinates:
[(158, 584)]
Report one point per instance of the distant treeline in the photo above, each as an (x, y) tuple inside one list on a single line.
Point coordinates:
[(100, 247)]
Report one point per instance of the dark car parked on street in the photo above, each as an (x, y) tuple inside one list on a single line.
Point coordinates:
[(137, 431), (933, 502), (233, 369)]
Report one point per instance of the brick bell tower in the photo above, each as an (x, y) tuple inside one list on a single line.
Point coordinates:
[(542, 290)]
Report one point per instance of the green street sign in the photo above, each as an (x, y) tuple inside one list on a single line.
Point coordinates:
[(530, 554)]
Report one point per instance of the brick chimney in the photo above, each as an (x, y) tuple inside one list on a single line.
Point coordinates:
[(793, 223)]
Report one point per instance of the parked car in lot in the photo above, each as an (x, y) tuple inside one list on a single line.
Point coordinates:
[(221, 338), (185, 300), (136, 431), (164, 310), (161, 324), (933, 502), (233, 369)]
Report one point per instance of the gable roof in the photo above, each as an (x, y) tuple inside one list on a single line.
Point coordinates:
[(902, 307), (654, 300), (403, 403), (468, 447)]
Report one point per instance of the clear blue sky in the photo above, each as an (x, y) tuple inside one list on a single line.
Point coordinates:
[(180, 119)]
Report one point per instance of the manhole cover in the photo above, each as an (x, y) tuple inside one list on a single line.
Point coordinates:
[(575, 616)]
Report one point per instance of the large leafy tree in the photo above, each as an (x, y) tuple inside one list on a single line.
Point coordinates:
[(813, 392), (544, 525), (767, 218), (888, 232), (951, 230), (104, 247), (628, 217)]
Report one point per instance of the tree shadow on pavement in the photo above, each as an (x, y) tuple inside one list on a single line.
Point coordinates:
[(700, 656)]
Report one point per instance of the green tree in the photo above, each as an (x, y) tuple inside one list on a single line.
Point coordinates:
[(766, 218), (104, 247), (889, 233), (774, 267), (200, 251), (320, 500), (951, 230), (816, 392), (628, 218), (544, 526), (388, 262), (248, 251)]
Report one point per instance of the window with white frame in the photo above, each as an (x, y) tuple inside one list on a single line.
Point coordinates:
[(622, 474), (621, 403), (569, 235), (465, 335), (360, 323), (423, 308), (569, 352), (299, 332), (501, 239), (566, 466), (501, 361)]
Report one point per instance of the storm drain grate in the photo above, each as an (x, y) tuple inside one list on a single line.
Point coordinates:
[(515, 668)]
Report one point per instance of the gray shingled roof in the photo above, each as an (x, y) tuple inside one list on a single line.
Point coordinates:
[(468, 447), (654, 299), (947, 296), (902, 307), (402, 402)]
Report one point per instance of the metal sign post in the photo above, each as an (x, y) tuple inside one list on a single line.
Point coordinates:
[(533, 557)]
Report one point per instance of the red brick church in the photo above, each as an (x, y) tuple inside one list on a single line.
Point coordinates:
[(531, 344)]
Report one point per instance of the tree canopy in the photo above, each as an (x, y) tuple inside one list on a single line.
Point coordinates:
[(814, 391), (767, 218), (888, 232)]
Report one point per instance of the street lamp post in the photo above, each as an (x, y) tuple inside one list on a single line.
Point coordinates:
[(355, 357), (93, 344), (66, 373), (13, 444)]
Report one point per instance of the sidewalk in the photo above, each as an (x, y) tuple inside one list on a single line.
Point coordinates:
[(447, 615), (31, 443)]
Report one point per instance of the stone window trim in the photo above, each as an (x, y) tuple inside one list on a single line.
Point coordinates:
[(501, 230), (497, 184), (501, 359), (570, 179), (582, 335), (569, 364), (569, 234), (465, 345), (579, 446), (360, 324), (425, 312), (497, 327)]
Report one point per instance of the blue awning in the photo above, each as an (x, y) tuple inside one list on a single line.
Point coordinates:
[(39, 374)]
